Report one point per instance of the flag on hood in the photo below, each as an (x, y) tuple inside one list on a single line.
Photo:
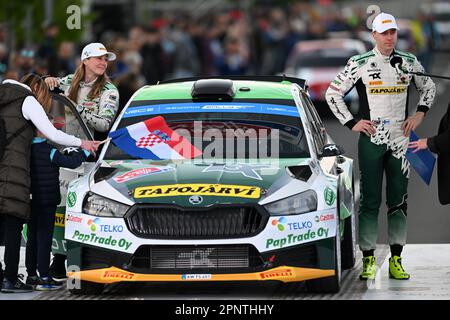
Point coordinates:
[(153, 139)]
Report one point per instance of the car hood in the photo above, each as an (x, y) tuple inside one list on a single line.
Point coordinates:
[(181, 183)]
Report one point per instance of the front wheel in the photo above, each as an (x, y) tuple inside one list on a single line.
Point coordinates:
[(329, 284)]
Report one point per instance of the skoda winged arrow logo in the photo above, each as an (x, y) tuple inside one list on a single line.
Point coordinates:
[(195, 199)]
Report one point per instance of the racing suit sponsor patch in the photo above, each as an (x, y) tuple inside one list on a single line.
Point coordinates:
[(387, 90), (220, 190)]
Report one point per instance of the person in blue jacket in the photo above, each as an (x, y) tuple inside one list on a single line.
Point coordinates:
[(45, 163)]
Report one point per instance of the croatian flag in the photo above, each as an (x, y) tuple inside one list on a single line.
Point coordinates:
[(153, 139)]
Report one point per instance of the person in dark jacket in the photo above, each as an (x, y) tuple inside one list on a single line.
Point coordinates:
[(23, 108), (439, 144), (45, 196)]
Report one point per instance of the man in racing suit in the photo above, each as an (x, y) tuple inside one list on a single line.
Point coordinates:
[(384, 136)]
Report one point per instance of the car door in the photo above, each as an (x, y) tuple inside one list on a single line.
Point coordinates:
[(66, 118)]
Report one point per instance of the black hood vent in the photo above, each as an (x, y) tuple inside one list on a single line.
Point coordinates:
[(104, 173), (302, 173)]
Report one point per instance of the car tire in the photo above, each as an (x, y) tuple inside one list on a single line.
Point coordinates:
[(330, 284), (88, 288), (348, 244)]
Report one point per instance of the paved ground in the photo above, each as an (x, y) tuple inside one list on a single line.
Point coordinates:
[(427, 263)]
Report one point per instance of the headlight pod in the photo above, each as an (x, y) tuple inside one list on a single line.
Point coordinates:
[(103, 207), (297, 204)]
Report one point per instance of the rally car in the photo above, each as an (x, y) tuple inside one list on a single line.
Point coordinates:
[(257, 191)]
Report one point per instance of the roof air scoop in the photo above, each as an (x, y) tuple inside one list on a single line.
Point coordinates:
[(221, 89)]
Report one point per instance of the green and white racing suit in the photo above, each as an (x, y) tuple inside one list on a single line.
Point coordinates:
[(98, 113), (383, 95)]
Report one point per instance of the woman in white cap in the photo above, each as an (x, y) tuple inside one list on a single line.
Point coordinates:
[(97, 102), (96, 97)]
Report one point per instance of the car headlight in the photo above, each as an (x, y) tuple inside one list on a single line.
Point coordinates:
[(100, 206), (297, 204)]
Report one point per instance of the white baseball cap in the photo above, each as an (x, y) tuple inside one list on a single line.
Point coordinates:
[(96, 49), (383, 22)]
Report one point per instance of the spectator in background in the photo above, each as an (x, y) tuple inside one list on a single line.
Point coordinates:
[(41, 67), (25, 62), (275, 49), (186, 62), (234, 61), (65, 63), (3, 60), (152, 56), (48, 48)]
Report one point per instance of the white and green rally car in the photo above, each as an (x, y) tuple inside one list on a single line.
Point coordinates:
[(280, 210)]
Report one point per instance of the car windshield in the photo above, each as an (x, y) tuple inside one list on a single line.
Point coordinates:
[(255, 129), (324, 58)]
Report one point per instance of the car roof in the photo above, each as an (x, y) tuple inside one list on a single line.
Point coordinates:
[(182, 89)]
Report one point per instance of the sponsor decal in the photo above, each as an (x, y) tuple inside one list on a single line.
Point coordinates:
[(386, 21), (71, 199), (195, 199), (139, 173), (220, 190), (196, 277), (336, 82), (118, 275), (60, 220), (334, 88), (329, 196), (244, 169), (375, 83), (324, 217), (281, 224), (373, 64), (94, 239), (74, 219), (387, 90), (281, 273), (94, 225), (209, 107), (116, 163), (376, 75), (297, 238)]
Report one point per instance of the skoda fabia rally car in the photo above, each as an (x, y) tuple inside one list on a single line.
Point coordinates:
[(255, 190)]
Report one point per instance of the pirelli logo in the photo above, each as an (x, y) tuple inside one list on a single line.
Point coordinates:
[(280, 273), (375, 83), (118, 275), (218, 190), (387, 90), (386, 21)]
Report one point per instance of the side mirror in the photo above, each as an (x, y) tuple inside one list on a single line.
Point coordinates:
[(331, 150)]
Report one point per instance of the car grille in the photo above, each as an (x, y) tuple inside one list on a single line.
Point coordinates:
[(200, 258), (207, 223)]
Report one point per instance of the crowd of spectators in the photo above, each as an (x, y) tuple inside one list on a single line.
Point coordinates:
[(176, 44)]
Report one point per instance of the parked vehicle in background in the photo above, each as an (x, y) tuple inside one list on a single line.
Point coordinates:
[(318, 61), (440, 13)]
